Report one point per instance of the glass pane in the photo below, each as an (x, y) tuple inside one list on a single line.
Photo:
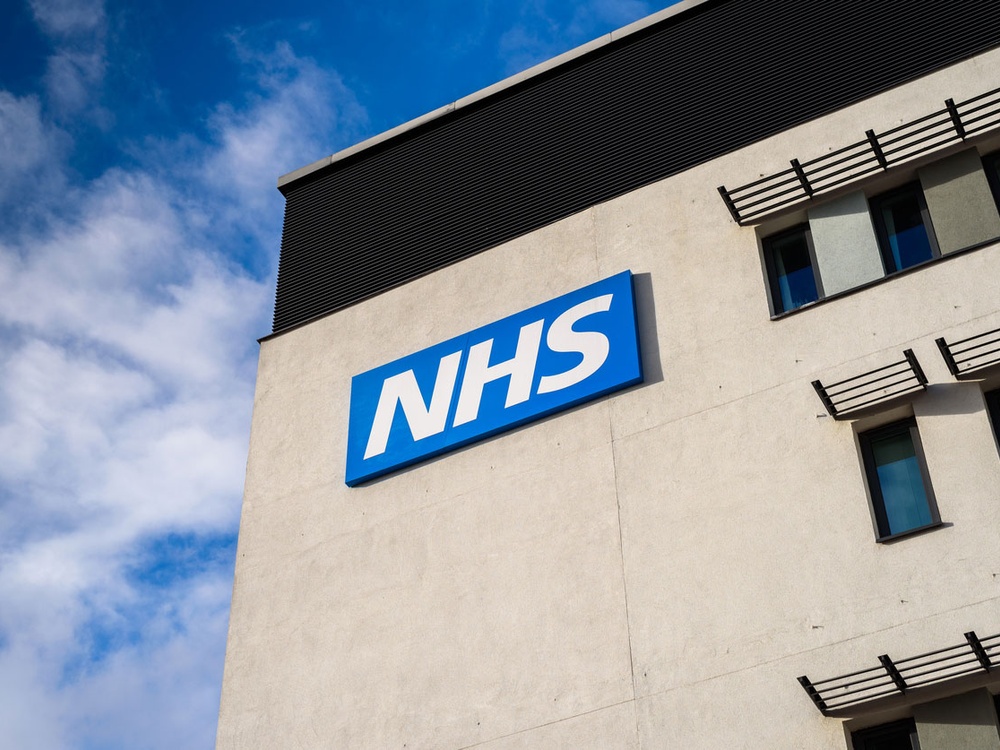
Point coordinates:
[(904, 225), (899, 735), (902, 486), (793, 269), (992, 166), (993, 406), (896, 741)]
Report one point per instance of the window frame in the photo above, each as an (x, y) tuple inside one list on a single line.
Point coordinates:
[(774, 286), (859, 739), (877, 507), (882, 232)]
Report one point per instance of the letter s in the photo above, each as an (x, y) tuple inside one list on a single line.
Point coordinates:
[(593, 345)]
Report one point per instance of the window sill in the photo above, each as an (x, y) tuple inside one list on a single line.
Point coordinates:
[(888, 277), (910, 532)]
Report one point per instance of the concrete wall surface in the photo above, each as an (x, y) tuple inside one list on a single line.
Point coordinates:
[(650, 570)]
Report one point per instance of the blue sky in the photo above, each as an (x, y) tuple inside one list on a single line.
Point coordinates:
[(140, 144)]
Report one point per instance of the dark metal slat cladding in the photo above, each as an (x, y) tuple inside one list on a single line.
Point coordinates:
[(693, 87)]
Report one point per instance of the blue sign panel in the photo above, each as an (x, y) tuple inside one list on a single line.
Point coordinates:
[(542, 360)]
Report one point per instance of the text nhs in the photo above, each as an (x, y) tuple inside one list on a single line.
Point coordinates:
[(550, 357)]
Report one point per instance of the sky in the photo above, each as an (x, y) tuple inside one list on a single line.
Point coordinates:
[(140, 145)]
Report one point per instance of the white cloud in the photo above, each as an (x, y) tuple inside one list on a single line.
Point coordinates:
[(257, 145), (127, 359), (29, 715), (75, 70), (112, 707), (68, 18), (51, 394), (70, 79), (31, 148)]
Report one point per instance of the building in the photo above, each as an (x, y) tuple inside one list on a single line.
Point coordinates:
[(784, 536)]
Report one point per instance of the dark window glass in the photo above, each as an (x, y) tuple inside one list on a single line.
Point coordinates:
[(790, 267), (993, 407), (904, 228), (991, 164), (899, 735), (897, 479)]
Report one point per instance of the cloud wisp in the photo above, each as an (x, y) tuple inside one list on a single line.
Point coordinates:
[(77, 64), (544, 29), (129, 304)]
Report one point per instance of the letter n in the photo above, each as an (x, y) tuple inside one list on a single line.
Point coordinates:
[(422, 419)]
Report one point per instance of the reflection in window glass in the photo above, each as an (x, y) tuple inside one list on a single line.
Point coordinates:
[(792, 269), (900, 482), (901, 494), (904, 232)]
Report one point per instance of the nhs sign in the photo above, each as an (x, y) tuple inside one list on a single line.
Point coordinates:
[(542, 360)]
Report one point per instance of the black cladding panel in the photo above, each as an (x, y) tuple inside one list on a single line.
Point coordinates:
[(686, 90)]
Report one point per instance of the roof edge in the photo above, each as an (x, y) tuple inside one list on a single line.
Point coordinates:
[(493, 89)]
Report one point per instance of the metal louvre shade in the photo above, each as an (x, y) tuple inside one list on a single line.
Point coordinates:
[(969, 357), (874, 389), (860, 690), (688, 89), (953, 124)]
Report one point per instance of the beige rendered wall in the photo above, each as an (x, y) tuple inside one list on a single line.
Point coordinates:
[(651, 570)]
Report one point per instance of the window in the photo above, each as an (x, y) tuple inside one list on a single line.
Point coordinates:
[(897, 479), (993, 407), (991, 164), (898, 735), (790, 268), (903, 227)]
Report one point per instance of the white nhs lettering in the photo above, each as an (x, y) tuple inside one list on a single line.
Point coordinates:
[(507, 373), (425, 419)]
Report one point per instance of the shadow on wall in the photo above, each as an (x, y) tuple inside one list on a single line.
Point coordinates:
[(649, 343), (947, 399)]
